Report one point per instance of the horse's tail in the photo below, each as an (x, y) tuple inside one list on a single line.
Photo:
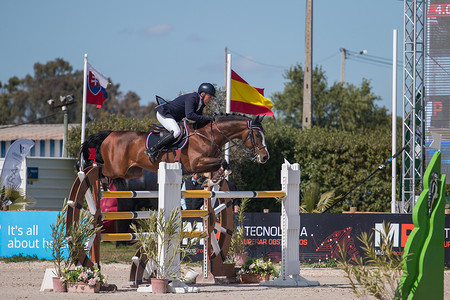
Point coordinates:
[(93, 141)]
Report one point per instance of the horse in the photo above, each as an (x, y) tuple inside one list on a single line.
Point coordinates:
[(122, 153)]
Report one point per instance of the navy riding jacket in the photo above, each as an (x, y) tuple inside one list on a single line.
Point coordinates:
[(188, 105)]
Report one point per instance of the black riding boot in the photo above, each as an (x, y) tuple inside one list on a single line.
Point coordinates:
[(154, 151)]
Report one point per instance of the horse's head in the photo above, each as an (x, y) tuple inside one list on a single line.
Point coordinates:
[(255, 140)]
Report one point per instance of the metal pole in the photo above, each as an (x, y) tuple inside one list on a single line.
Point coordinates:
[(66, 130), (394, 206), (228, 103), (226, 58), (83, 114)]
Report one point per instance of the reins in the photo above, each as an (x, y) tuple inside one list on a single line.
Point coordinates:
[(252, 154)]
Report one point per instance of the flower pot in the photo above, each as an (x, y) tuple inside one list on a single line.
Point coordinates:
[(58, 285), (159, 285), (254, 278), (240, 258), (82, 287), (353, 209)]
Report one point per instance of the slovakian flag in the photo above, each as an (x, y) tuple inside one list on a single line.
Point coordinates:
[(247, 99), (96, 87)]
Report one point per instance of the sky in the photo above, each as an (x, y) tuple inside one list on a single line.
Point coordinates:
[(170, 47)]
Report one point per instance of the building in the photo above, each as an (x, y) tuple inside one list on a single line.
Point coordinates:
[(48, 138), (46, 176)]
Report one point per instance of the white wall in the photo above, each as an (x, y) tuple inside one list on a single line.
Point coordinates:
[(56, 176)]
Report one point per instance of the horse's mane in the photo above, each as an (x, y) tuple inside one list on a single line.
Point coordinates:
[(230, 116)]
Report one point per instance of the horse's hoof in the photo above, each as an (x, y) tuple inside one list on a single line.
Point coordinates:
[(226, 173)]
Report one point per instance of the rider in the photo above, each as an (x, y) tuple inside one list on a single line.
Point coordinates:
[(190, 106)]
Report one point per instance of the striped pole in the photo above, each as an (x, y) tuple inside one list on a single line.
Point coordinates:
[(197, 194), (127, 215)]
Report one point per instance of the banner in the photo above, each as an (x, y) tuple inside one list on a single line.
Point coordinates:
[(320, 235), (15, 155), (27, 233)]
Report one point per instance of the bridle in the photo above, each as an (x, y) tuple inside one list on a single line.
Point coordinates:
[(252, 154)]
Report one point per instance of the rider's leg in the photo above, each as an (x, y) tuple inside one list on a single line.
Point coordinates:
[(164, 140), (170, 125)]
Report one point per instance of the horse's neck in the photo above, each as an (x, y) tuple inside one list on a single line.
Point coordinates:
[(229, 131)]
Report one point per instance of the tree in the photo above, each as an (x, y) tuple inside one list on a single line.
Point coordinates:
[(24, 100), (344, 107)]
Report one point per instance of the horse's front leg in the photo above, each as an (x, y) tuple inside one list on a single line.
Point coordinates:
[(219, 166)]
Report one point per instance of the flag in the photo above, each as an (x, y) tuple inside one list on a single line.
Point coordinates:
[(247, 99), (96, 85)]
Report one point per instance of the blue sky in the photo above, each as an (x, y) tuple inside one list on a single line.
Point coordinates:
[(167, 47)]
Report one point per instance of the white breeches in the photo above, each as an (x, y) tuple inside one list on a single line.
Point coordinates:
[(169, 123)]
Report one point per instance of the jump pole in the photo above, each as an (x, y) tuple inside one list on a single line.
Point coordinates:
[(290, 229)]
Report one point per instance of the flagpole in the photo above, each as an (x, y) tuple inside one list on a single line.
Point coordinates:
[(83, 113), (228, 102)]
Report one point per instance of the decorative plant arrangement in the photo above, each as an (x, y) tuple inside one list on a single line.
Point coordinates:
[(75, 239), (170, 234), (256, 270), (88, 276)]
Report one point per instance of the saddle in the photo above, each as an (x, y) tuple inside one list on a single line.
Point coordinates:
[(156, 131)]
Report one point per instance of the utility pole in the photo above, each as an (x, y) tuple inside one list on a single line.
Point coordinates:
[(307, 78), (343, 56)]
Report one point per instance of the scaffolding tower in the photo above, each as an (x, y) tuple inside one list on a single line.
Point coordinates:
[(413, 104)]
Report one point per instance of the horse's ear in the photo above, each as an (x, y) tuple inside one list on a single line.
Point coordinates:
[(258, 119)]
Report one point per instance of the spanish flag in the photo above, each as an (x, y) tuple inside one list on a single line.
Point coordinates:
[(247, 99)]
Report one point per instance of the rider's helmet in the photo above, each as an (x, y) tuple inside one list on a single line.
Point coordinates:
[(207, 88)]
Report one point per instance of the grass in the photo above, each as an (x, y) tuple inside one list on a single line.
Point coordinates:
[(112, 253), (20, 258), (109, 253)]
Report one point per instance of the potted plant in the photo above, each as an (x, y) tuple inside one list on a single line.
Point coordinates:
[(159, 239), (256, 270), (79, 234), (237, 247), (12, 198), (81, 279), (84, 280), (58, 246)]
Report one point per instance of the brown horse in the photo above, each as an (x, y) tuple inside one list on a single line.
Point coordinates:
[(122, 152)]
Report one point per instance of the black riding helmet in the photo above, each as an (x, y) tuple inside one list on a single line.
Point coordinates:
[(207, 88)]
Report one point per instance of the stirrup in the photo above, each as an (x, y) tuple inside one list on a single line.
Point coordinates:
[(152, 154)]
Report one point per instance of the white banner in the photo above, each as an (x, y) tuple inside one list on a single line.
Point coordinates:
[(14, 157)]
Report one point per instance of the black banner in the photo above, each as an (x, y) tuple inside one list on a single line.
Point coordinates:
[(320, 234)]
